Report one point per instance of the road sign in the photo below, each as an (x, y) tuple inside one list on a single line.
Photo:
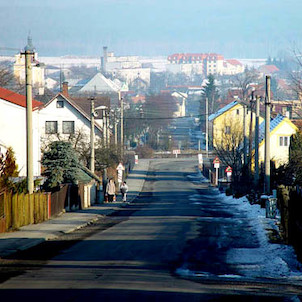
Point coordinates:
[(120, 167), (176, 151), (228, 169), (216, 160)]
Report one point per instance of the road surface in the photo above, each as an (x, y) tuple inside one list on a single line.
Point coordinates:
[(144, 251)]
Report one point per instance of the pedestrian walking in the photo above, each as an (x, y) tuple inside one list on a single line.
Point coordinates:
[(110, 190), (124, 190)]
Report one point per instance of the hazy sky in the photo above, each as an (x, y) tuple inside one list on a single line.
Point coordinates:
[(234, 28)]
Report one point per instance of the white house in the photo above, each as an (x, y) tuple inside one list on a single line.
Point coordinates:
[(13, 129), (62, 117)]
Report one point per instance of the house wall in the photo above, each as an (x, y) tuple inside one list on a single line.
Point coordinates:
[(13, 134), (278, 153), (67, 113), (233, 116)]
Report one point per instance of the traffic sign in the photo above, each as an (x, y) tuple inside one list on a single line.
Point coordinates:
[(228, 169), (216, 160), (120, 167)]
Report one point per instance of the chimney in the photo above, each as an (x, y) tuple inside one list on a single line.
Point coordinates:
[(65, 89), (105, 56)]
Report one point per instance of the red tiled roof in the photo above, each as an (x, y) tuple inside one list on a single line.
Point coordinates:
[(194, 56), (268, 68), (234, 62), (17, 98)]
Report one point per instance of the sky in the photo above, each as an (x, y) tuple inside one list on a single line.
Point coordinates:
[(234, 28)]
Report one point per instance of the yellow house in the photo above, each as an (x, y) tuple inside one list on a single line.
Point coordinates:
[(281, 129), (226, 125)]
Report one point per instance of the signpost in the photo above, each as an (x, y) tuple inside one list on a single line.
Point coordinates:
[(120, 168), (176, 152), (200, 161), (216, 163)]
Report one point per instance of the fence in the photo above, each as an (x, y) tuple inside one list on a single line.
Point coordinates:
[(22, 209)]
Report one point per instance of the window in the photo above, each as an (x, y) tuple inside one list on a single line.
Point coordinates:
[(68, 127), (237, 112), (60, 104), (284, 141), (227, 130), (51, 127)]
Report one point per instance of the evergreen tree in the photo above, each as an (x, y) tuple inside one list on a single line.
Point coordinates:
[(60, 163), (210, 91), (8, 167), (295, 157)]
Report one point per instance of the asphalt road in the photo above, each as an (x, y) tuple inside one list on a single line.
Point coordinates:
[(176, 224)]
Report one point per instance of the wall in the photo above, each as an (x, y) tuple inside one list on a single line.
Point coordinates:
[(67, 113), (13, 134)]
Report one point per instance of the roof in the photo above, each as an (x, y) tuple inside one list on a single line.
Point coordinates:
[(234, 62), (273, 125), (268, 68), (17, 99), (99, 83), (222, 110), (75, 105)]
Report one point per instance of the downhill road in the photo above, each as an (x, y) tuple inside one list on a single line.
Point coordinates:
[(144, 252)]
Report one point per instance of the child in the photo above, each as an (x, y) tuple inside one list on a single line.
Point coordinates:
[(124, 190)]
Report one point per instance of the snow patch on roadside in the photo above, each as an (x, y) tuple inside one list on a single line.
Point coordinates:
[(270, 260)]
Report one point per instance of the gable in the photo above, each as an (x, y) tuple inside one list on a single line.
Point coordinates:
[(100, 84)]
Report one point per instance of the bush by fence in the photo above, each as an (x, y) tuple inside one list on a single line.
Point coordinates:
[(290, 206)]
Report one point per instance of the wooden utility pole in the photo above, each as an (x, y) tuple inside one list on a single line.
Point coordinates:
[(267, 188), (244, 135), (257, 142), (92, 152), (122, 123), (251, 133), (207, 127), (29, 54)]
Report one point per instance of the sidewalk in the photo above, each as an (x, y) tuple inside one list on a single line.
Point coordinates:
[(34, 234)]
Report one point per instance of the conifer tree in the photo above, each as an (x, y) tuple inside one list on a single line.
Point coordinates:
[(60, 162)]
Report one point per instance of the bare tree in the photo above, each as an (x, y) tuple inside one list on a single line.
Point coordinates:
[(228, 144), (244, 80)]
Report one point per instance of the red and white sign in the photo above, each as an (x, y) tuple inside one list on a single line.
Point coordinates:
[(136, 159), (176, 151), (216, 162), (120, 167), (228, 169)]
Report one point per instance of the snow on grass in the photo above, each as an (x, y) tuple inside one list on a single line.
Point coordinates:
[(269, 260)]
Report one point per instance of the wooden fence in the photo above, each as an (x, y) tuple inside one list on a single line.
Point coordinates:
[(17, 210)]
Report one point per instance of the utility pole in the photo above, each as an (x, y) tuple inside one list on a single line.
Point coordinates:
[(267, 188), (244, 135), (257, 142), (107, 127), (251, 133), (92, 153), (122, 123), (207, 127), (29, 54)]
